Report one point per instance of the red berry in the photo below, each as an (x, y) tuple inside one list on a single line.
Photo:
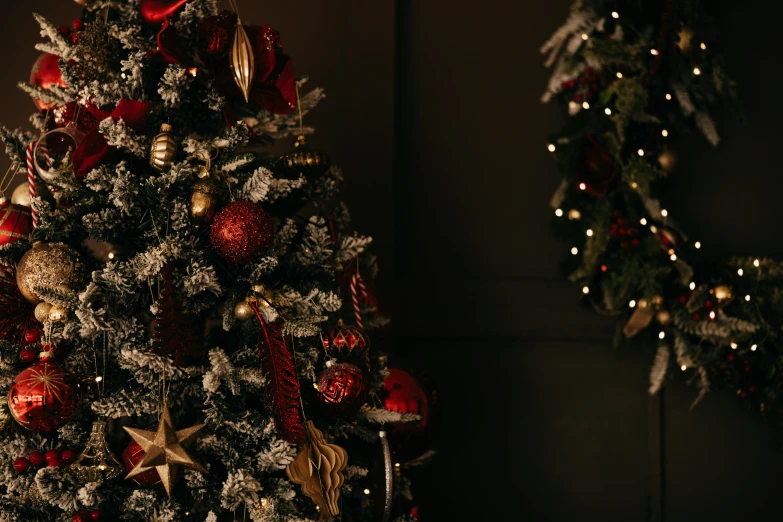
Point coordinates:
[(36, 458), (28, 356), (578, 98), (604, 268), (588, 70), (589, 95), (21, 465), (81, 516), (707, 304), (624, 244), (683, 298), (582, 79), (32, 335), (51, 455), (68, 456), (54, 463), (78, 24), (751, 388), (71, 62), (635, 241), (730, 358), (571, 84), (743, 394), (65, 30), (95, 515), (697, 316), (75, 38)]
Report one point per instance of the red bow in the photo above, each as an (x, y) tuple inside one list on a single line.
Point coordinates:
[(93, 150)]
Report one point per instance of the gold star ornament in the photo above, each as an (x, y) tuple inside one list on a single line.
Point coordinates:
[(165, 450)]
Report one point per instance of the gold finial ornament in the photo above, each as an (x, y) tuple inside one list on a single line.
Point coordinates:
[(97, 463), (243, 63), (164, 149)]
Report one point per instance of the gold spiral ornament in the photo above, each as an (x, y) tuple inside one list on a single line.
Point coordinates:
[(243, 62)]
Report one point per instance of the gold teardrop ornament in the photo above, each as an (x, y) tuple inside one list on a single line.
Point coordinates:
[(242, 60)]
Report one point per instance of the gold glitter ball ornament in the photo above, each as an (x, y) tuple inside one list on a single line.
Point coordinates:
[(58, 314), (48, 265), (42, 312), (163, 150)]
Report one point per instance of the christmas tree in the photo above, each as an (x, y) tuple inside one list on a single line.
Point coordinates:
[(184, 315)]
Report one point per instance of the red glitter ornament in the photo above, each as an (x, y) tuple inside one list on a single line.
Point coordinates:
[(406, 395), (241, 232), (342, 388), (346, 342), (132, 456), (43, 397), (16, 223), (46, 73)]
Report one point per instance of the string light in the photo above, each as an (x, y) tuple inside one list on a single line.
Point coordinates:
[(712, 314), (632, 303), (661, 335), (664, 212), (589, 232), (608, 111), (733, 345), (98, 379), (703, 46), (654, 52), (574, 214), (366, 491), (585, 290), (619, 74), (668, 96), (753, 348), (193, 71), (551, 147), (634, 185), (585, 105), (664, 133), (584, 36), (747, 297), (740, 272), (683, 367), (653, 229), (616, 15), (574, 251), (696, 71), (697, 245), (111, 255), (756, 263), (643, 221), (559, 212), (582, 186), (123, 76), (640, 152), (692, 286), (673, 257)]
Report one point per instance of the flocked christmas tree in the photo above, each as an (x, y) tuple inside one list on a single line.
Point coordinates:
[(183, 317)]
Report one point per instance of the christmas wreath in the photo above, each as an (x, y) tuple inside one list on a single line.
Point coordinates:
[(634, 76)]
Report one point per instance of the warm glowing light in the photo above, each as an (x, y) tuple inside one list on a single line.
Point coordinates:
[(111, 255), (712, 314), (551, 147), (740, 272), (584, 36), (559, 212), (619, 74), (756, 263), (616, 15), (582, 186), (654, 52), (193, 71), (692, 286), (123, 76), (585, 105), (634, 185), (697, 245), (574, 251), (589, 232), (585, 290), (640, 152), (696, 71), (664, 133), (673, 257), (653, 229), (661, 335), (668, 96), (98, 379), (683, 367), (643, 221), (733, 346), (747, 297), (574, 214), (608, 111), (703, 46), (632, 303), (664, 212), (366, 491), (753, 348)]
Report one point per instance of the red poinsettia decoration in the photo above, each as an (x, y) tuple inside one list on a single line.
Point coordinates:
[(274, 87), (596, 169)]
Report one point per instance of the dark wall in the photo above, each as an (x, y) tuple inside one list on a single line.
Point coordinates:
[(542, 420)]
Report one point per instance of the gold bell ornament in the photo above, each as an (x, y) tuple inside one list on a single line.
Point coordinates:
[(163, 150), (204, 198)]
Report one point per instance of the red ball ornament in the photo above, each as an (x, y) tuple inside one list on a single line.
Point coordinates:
[(51, 455), (54, 463), (342, 388), (28, 356), (21, 465), (346, 342), (156, 11), (32, 335), (65, 30), (16, 222), (68, 456), (82, 516), (95, 515), (36, 458), (74, 38), (241, 232), (406, 395), (78, 24), (130, 457), (43, 397), (46, 73)]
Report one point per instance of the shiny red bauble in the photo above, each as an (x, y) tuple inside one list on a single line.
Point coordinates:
[(44, 396), (21, 465), (241, 232), (36, 458), (28, 356), (54, 463), (46, 73), (32, 335), (346, 342), (78, 24), (95, 515), (406, 395), (51, 455), (342, 389), (16, 223), (130, 457)]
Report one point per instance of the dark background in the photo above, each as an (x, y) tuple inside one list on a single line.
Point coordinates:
[(433, 112)]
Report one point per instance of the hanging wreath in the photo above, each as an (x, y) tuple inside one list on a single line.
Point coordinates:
[(635, 76)]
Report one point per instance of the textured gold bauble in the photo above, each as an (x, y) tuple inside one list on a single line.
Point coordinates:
[(305, 160), (722, 293), (42, 312), (663, 316), (243, 311), (204, 201), (58, 314), (49, 265), (21, 195), (163, 150)]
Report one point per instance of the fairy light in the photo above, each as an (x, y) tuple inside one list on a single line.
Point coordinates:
[(756, 263), (697, 245), (193, 71), (643, 221), (616, 15), (664, 133), (696, 71), (574, 251), (703, 46), (640, 152), (608, 111), (733, 345), (585, 290), (753, 348), (584, 36), (653, 229), (673, 257), (692, 286), (747, 298), (632, 303), (683, 367), (574, 214), (668, 96), (582, 186), (712, 314), (661, 334), (98, 379), (619, 74), (585, 105), (634, 185), (366, 491), (111, 255), (740, 272), (589, 232), (654, 52), (123, 76), (664, 212), (551, 147), (559, 212)]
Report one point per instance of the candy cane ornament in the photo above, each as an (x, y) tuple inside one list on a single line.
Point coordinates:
[(357, 289), (31, 182)]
